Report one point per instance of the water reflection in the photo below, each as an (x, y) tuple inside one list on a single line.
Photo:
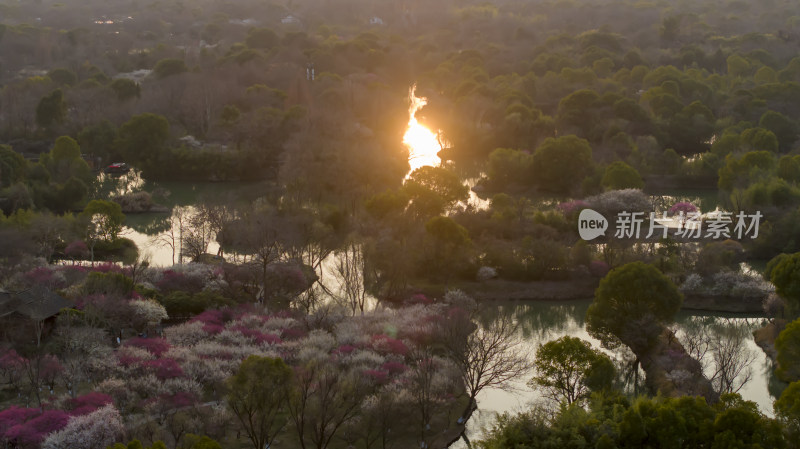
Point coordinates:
[(705, 200), (542, 321)]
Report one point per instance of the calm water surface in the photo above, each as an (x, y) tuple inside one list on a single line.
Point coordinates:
[(543, 321)]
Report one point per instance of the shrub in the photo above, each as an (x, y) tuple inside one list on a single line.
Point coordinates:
[(108, 283), (619, 175), (486, 273), (598, 268), (615, 201)]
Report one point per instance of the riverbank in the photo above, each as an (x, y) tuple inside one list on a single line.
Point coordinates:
[(729, 304), (505, 290)]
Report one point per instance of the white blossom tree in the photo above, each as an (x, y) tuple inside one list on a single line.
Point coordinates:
[(147, 314), (101, 428)]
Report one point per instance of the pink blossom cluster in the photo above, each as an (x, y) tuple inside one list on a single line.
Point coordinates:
[(28, 427), (683, 206)]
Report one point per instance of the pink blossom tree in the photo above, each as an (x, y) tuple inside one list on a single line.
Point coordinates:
[(30, 433)]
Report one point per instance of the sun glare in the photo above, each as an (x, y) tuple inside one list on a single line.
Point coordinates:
[(422, 142)]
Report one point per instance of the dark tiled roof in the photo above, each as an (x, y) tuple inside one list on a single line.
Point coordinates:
[(37, 303)]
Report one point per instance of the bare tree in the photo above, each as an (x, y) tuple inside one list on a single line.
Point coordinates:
[(721, 349), (349, 274), (494, 356), (423, 371), (173, 236), (215, 216), (325, 399), (197, 235), (491, 355), (263, 233)]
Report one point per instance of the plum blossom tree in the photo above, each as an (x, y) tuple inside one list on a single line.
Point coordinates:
[(147, 314), (97, 429), (30, 433), (12, 367)]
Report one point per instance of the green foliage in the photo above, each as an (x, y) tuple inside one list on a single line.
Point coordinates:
[(726, 144), (142, 140), (509, 167), (739, 424), (759, 139), (169, 67), (619, 175), (447, 254), (261, 38), (63, 77), (570, 370), (433, 189), (612, 421), (13, 167), (106, 216), (631, 306), (257, 396), (738, 66), (110, 284), (787, 408), (690, 128), (51, 110), (64, 161), (386, 204), (716, 256), (788, 347), (765, 75), (784, 272), (118, 250), (784, 128), (560, 164), (200, 442), (230, 114), (789, 168), (742, 171), (577, 111), (770, 192), (99, 139), (126, 89), (184, 304), (439, 180), (447, 231)]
